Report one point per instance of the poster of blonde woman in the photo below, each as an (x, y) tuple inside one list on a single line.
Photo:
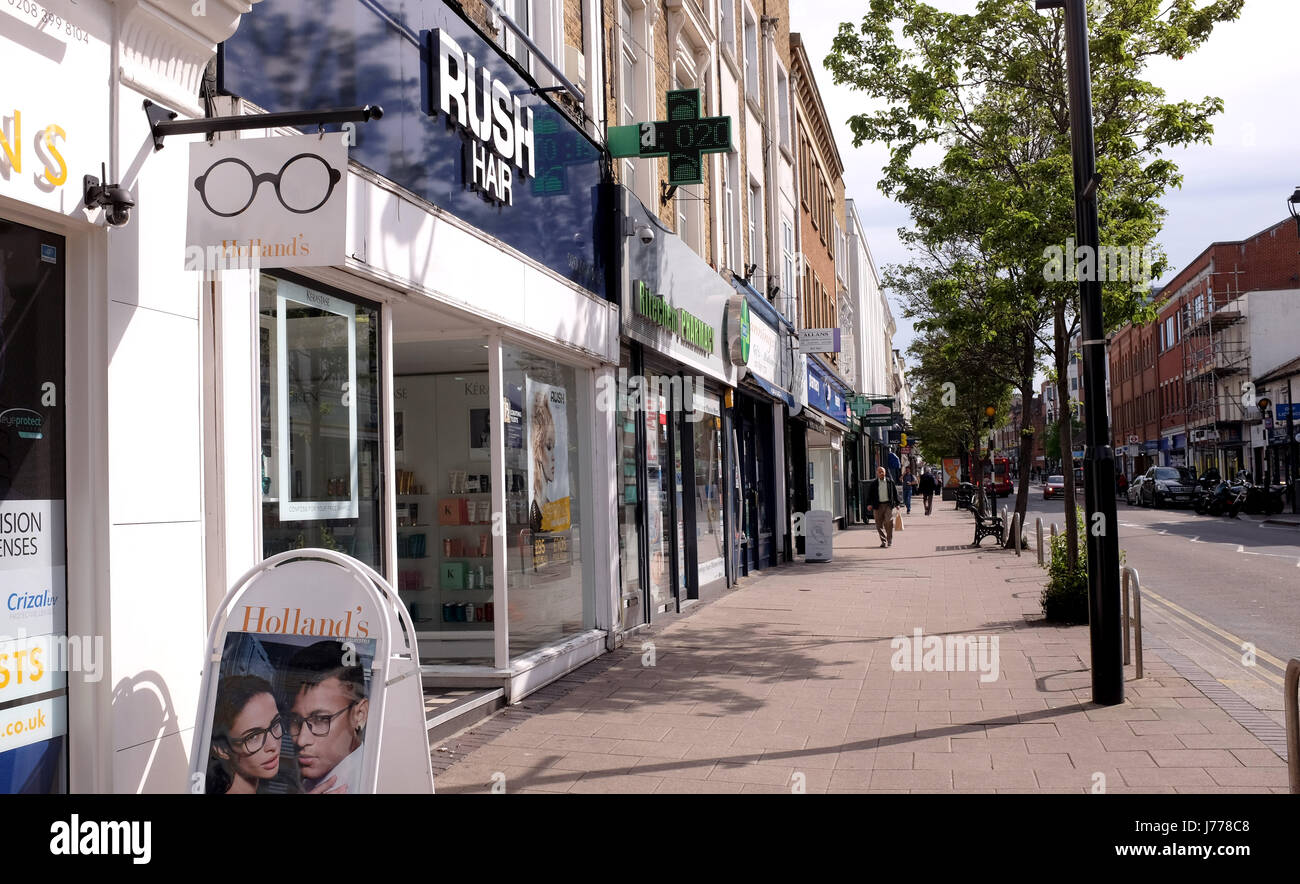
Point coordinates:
[(548, 456)]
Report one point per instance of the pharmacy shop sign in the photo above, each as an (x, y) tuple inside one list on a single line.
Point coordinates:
[(687, 327), (267, 202), (312, 685)]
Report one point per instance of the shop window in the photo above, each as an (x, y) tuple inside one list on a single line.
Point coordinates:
[(710, 543), (550, 594), (320, 432), (33, 499), (629, 530)]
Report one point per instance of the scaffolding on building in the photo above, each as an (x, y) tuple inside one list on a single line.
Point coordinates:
[(1216, 362)]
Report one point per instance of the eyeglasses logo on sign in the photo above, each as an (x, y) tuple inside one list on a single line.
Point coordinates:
[(234, 223), (501, 129), (230, 185)]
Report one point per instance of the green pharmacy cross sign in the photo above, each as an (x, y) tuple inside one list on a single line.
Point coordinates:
[(684, 138)]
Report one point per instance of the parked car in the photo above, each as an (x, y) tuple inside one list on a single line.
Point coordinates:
[(1165, 486), (1055, 485), (1134, 493)]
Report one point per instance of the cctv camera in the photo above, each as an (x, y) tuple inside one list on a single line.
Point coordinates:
[(114, 198), (645, 233), (118, 211)]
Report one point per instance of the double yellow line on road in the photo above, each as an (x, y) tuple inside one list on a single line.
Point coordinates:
[(1236, 642)]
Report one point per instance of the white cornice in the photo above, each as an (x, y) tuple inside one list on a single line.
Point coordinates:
[(165, 46)]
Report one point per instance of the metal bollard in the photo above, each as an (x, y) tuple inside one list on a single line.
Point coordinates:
[(1017, 537), (1292, 703), (1130, 580), (1038, 529)]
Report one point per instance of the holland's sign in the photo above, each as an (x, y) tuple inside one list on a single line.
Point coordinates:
[(819, 340), (267, 202), (312, 685)]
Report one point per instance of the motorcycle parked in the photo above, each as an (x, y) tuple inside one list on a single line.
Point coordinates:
[(1238, 493), (1218, 499), (1265, 499)]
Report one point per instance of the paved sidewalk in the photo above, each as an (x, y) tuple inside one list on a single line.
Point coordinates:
[(786, 683)]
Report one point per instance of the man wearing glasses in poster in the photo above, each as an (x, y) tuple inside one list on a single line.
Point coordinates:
[(326, 695)]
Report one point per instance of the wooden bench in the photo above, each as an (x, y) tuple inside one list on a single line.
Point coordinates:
[(988, 526)]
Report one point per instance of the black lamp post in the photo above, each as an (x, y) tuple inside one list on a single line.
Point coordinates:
[(1105, 628), (1293, 205)]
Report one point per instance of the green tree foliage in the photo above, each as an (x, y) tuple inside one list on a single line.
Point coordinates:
[(986, 93)]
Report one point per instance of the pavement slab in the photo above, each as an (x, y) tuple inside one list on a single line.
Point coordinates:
[(925, 667)]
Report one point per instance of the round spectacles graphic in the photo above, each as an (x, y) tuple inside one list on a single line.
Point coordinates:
[(304, 183)]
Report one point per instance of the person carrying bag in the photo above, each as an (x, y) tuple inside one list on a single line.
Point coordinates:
[(881, 497)]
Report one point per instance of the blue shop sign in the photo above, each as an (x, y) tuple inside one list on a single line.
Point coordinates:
[(462, 126), (827, 394)]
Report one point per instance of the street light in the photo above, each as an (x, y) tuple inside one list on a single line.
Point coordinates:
[(1104, 626), (1293, 205)]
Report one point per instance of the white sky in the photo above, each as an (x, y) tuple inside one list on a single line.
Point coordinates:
[(1232, 188)]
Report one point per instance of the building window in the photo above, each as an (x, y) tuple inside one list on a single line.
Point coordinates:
[(787, 260), (551, 591), (728, 25), (520, 11), (731, 169), (783, 107), (320, 430), (628, 83), (756, 226), (751, 55)]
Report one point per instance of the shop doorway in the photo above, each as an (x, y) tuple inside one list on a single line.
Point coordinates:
[(33, 477)]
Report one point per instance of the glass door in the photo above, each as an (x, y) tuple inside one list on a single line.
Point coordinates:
[(33, 691), (659, 516)]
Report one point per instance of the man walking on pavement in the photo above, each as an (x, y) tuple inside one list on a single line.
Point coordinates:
[(881, 495), (926, 487)]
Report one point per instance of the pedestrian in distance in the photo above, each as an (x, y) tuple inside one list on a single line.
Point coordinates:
[(926, 487), (894, 465), (882, 496), (909, 487)]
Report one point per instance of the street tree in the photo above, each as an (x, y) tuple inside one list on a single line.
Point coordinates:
[(987, 92)]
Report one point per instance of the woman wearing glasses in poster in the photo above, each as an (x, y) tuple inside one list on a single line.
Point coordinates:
[(246, 733)]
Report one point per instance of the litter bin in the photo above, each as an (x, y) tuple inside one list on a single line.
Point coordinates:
[(818, 527)]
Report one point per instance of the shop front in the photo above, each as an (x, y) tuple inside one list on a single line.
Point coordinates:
[(760, 510), (828, 405), (684, 340), (102, 443), (430, 402)]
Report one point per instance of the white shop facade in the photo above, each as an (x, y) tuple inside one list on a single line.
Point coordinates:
[(458, 346), (424, 403)]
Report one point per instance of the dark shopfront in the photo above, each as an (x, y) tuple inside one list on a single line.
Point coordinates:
[(676, 370), (754, 471), (672, 531), (759, 510)]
